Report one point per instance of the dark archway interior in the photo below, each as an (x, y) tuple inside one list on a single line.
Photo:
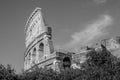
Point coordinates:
[(66, 62), (34, 52), (34, 49), (41, 47)]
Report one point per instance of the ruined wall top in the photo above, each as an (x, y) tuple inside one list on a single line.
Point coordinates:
[(35, 26), (112, 43)]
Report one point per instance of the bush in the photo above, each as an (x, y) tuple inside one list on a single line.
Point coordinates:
[(7, 73), (100, 65)]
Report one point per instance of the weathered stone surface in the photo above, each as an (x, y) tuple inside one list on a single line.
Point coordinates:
[(113, 45), (39, 46), (40, 50)]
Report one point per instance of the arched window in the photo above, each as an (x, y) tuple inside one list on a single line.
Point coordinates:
[(29, 58), (66, 62), (41, 47), (26, 61), (41, 50), (34, 52), (34, 56)]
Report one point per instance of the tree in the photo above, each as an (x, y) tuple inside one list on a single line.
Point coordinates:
[(7, 72), (101, 65)]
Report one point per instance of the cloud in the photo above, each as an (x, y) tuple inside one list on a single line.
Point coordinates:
[(100, 1), (93, 31)]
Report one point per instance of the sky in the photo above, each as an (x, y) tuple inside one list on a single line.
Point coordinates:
[(75, 23)]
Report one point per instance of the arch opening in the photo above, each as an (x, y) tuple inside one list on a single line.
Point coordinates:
[(41, 50), (41, 47), (66, 62), (34, 55)]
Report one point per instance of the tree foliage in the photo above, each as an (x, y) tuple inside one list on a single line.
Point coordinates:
[(7, 73), (100, 65)]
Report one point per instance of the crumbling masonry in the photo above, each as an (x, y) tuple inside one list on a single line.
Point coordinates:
[(39, 47), (40, 50)]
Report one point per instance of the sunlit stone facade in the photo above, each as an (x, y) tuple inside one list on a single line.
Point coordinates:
[(39, 46), (113, 45), (40, 50)]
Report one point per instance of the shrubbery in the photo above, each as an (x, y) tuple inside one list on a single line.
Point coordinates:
[(100, 65)]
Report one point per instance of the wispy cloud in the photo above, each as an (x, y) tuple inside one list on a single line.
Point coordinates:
[(91, 32), (100, 1)]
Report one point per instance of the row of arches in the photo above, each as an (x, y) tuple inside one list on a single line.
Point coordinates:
[(34, 55)]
